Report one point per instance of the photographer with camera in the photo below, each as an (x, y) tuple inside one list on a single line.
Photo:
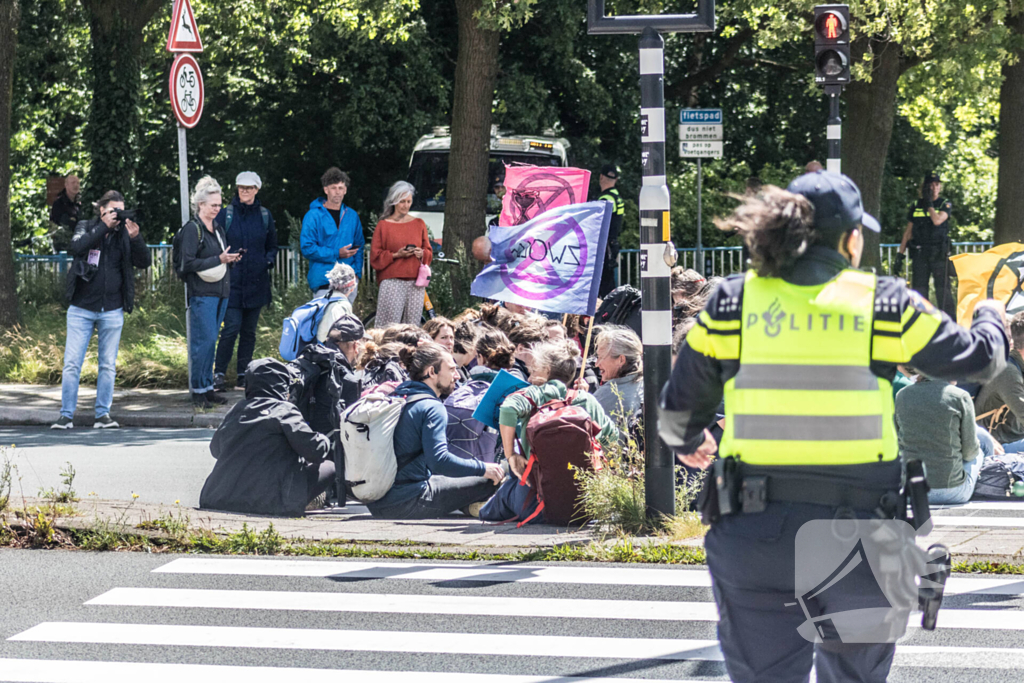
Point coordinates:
[(100, 290)]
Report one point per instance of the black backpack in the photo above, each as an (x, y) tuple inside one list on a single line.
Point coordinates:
[(176, 255), (994, 481), (622, 306)]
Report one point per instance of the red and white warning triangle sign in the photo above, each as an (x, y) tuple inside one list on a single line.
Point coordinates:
[(184, 35)]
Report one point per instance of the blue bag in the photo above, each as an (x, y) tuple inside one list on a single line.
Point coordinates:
[(514, 501), (300, 326), (468, 437)]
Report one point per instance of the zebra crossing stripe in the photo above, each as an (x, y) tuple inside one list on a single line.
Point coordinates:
[(605, 576), (583, 647), (67, 671), (967, 521), (544, 608)]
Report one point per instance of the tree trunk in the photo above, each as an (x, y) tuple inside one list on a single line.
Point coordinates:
[(10, 15), (867, 129), (476, 74), (1010, 197), (112, 130)]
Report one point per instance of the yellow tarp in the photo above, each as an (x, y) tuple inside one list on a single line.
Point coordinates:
[(992, 274)]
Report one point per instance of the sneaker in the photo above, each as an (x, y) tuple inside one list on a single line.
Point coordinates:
[(472, 510), (240, 382), (214, 398), (200, 401), (105, 422), (219, 381), (63, 423), (317, 503)]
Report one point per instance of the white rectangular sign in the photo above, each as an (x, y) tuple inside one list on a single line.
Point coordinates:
[(698, 149), (699, 132)]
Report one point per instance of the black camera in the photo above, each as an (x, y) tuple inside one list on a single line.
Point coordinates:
[(122, 215)]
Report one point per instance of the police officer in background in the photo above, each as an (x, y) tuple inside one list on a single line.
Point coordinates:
[(609, 193), (927, 235), (804, 348)]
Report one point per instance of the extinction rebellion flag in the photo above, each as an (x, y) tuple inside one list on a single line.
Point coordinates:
[(553, 262)]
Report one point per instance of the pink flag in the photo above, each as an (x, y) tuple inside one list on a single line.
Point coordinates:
[(532, 190)]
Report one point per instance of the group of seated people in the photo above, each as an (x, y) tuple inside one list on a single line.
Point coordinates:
[(270, 459), (954, 433)]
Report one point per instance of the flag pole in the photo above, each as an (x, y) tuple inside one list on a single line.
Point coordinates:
[(586, 347)]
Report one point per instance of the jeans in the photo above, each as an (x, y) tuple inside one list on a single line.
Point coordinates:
[(442, 496), (81, 324), (239, 323), (972, 470), (205, 314)]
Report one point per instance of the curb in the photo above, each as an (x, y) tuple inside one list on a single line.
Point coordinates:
[(34, 417)]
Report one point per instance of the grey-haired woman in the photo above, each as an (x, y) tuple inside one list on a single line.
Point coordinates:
[(400, 245)]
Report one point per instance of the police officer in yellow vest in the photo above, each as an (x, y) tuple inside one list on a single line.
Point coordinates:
[(804, 348), (927, 236), (609, 193)]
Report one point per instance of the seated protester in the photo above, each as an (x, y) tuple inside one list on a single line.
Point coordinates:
[(341, 281), (679, 332), (382, 364), (432, 483), (500, 317), (935, 424), (403, 334), (468, 437), (345, 337), (524, 337), (553, 367), (556, 330), (1001, 402), (687, 286), (269, 461), (442, 331), (464, 348), (620, 359), (469, 315)]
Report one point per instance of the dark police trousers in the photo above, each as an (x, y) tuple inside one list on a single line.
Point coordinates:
[(932, 262), (752, 563)]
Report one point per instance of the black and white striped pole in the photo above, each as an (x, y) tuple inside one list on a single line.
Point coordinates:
[(656, 250), (655, 270), (835, 129)]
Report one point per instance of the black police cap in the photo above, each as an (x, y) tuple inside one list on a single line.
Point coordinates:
[(610, 171), (836, 200)]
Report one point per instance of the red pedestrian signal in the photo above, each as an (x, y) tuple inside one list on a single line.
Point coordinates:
[(832, 44)]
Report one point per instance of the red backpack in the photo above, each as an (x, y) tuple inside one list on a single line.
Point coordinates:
[(562, 438)]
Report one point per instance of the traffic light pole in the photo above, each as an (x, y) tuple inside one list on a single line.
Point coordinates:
[(835, 129), (655, 272)]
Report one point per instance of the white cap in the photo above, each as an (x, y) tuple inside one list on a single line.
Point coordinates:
[(248, 178)]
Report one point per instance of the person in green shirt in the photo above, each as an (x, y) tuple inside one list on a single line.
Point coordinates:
[(553, 367)]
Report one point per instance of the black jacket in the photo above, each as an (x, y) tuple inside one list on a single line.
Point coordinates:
[(691, 398), (264, 449), (89, 235), (196, 256)]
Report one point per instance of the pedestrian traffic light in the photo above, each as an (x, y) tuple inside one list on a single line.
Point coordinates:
[(832, 44)]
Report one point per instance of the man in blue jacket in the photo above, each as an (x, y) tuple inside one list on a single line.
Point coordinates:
[(331, 232), (431, 482), (251, 232)]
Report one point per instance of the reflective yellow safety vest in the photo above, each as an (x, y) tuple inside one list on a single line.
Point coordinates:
[(805, 393)]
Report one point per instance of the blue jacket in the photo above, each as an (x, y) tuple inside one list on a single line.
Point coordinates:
[(422, 430), (321, 239), (250, 279)]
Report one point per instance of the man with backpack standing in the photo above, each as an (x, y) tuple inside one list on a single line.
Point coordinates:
[(251, 232), (331, 232), (101, 289)]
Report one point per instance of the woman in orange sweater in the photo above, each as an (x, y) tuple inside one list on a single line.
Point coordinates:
[(400, 244)]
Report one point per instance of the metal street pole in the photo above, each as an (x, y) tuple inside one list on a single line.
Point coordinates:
[(655, 233), (835, 129), (700, 220), (183, 182)]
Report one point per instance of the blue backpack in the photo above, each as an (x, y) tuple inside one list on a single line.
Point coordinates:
[(300, 326), (468, 437)]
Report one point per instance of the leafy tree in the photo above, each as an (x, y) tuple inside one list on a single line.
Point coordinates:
[(9, 19), (1010, 202)]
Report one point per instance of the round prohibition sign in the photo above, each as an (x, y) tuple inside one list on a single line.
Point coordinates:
[(186, 89)]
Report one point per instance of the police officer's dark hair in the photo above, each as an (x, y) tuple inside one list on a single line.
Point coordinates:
[(418, 359), (335, 175), (777, 226), (1017, 331)]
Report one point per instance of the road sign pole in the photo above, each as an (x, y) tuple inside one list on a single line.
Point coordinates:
[(835, 129), (655, 232), (183, 182), (700, 219)]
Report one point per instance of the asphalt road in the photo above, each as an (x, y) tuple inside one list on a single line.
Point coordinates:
[(161, 465), (375, 617)]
